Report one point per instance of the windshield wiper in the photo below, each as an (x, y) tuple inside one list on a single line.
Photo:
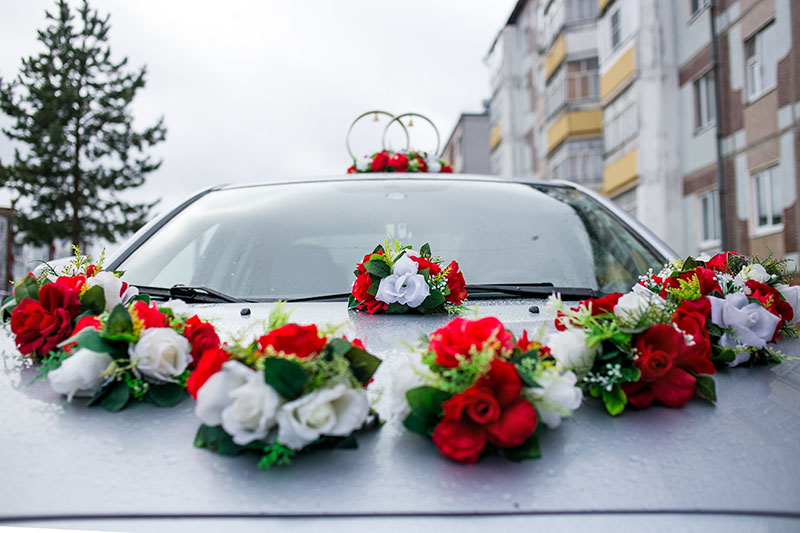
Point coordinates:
[(190, 294), (320, 298), (535, 289)]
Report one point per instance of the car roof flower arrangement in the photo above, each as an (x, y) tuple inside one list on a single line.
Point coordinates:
[(294, 389), (473, 390), (138, 352), (663, 340), (405, 160), (44, 310), (395, 280)]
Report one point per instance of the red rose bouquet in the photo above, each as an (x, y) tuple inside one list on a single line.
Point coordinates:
[(291, 390), (394, 280), (475, 389), (43, 311), (388, 161), (136, 352)]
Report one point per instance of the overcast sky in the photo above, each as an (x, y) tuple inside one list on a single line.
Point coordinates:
[(265, 90)]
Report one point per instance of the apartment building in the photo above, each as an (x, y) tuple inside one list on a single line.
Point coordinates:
[(754, 133), (467, 148)]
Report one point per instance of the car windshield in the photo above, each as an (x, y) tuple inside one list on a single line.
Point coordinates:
[(304, 239)]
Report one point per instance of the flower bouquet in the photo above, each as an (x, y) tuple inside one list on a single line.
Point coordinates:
[(135, 352), (394, 280), (474, 389), (388, 161), (44, 311), (294, 389)]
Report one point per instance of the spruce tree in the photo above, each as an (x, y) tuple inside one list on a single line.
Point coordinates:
[(78, 150)]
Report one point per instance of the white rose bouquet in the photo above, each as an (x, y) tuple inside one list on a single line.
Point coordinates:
[(291, 390)]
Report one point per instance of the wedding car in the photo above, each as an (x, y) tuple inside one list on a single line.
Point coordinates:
[(232, 252)]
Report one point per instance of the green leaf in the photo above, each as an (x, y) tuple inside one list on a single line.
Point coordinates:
[(166, 395), (141, 298), (90, 339), (119, 325), (690, 263), (724, 356), (285, 376), (425, 250), (419, 424), (373, 289), (527, 450), (615, 400), (362, 363), (94, 300), (352, 303), (379, 249), (395, 308), (117, 397), (377, 268), (27, 288), (608, 354), (426, 405), (338, 346), (434, 300), (215, 439), (8, 306), (705, 387)]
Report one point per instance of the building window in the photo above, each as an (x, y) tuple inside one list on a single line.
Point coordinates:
[(616, 29), (580, 161), (620, 122), (709, 219), (580, 10), (627, 201), (582, 79), (697, 5), (761, 62), (767, 194), (704, 109)]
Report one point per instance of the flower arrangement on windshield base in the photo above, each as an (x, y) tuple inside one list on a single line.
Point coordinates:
[(388, 161), (43, 311), (663, 340), (474, 390), (394, 280), (292, 390), (136, 352)]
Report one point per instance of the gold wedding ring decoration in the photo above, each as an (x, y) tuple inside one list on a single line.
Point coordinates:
[(394, 118)]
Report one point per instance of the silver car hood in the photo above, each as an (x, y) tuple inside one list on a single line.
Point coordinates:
[(740, 456)]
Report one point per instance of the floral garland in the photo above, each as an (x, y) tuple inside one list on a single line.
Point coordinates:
[(474, 389), (663, 340), (394, 280), (136, 352), (388, 161), (43, 311), (308, 386)]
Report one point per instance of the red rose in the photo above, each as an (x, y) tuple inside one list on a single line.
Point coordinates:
[(399, 162), (606, 304), (372, 306), (150, 316), (352, 170), (41, 326), (720, 262), (360, 266), (360, 292), (526, 345), (423, 165), (293, 339), (424, 263), (91, 270), (455, 284), (691, 318), (461, 335), (202, 336), (210, 363), (706, 278), (657, 347), (73, 283), (491, 410), (673, 389), (446, 169), (379, 161)]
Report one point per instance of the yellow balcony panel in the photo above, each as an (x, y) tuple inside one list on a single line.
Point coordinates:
[(555, 57), (620, 72), (495, 137), (575, 125), (621, 172), (601, 5)]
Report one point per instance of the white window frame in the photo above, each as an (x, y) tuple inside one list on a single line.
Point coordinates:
[(705, 113), (713, 240), (762, 58), (617, 13), (620, 121), (695, 10), (774, 223), (628, 201)]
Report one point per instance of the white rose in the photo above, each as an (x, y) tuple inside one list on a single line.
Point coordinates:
[(335, 412), (112, 287), (569, 348), (755, 272), (179, 307), (404, 285), (556, 396), (631, 305), (753, 324), (80, 374), (792, 295), (433, 164), (161, 354), (363, 164), (409, 375), (214, 396)]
